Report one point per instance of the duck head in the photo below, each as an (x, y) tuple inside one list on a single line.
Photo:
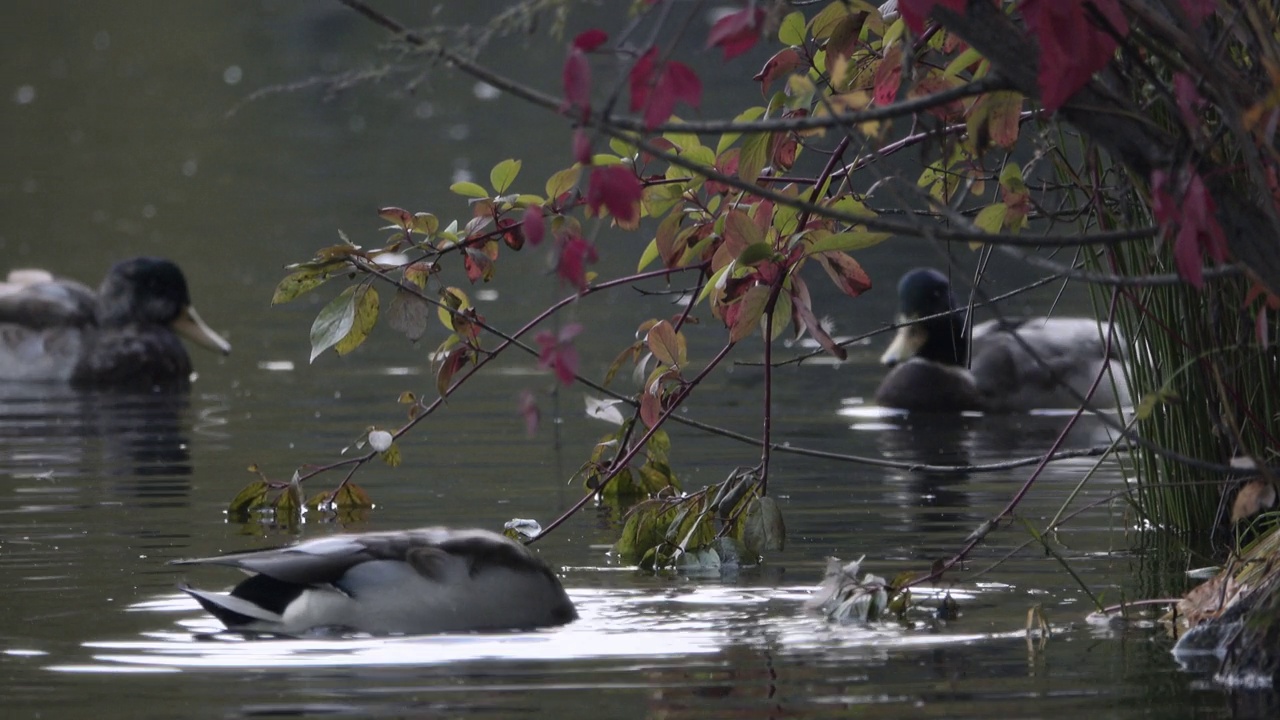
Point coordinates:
[(921, 293), (153, 291)]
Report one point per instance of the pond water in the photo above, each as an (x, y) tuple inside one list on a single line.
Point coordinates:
[(117, 142)]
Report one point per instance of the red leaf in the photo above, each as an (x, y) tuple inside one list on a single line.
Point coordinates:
[(845, 272), (590, 40), (888, 76), (530, 412), (641, 79), (737, 32), (1192, 211), (658, 91), (780, 64), (1072, 45), (581, 147), (532, 226), (915, 11), (617, 189), (575, 253), (557, 353), (1198, 10), (576, 76), (1188, 99)]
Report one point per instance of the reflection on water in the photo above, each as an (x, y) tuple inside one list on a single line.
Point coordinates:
[(50, 434)]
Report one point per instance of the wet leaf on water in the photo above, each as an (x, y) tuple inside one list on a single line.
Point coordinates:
[(351, 496), (289, 502), (251, 497)]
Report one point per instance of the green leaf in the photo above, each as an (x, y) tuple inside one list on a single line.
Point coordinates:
[(469, 189), (563, 181), (649, 255), (391, 456), (752, 157), (846, 241), (991, 218), (727, 139), (425, 223), (334, 322), (755, 253), (366, 316), (763, 529), (306, 280), (252, 497), (503, 174), (791, 32)]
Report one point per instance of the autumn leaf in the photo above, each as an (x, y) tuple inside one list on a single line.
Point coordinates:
[(532, 226), (845, 272), (784, 62), (914, 12), (530, 412), (617, 190), (1191, 211), (1072, 45), (576, 78), (557, 353), (575, 254), (657, 89), (589, 40), (736, 32)]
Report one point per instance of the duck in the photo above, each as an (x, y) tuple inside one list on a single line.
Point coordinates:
[(55, 329), (1004, 365), (404, 582)]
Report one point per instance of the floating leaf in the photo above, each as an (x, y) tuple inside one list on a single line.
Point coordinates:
[(503, 174), (251, 497)]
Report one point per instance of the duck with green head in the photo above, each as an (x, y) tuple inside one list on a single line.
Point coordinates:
[(123, 336), (937, 365)]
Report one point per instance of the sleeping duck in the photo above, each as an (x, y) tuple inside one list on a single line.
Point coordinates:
[(59, 330), (430, 580), (934, 369)]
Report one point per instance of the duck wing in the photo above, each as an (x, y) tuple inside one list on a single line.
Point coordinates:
[(1031, 363), (36, 300)]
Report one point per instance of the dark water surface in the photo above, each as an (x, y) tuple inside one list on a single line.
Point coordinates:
[(116, 142)]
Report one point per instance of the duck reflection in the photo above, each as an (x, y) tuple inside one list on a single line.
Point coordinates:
[(56, 441)]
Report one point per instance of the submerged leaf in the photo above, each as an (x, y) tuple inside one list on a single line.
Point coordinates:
[(252, 497)]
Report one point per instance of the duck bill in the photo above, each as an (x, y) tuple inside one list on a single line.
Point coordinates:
[(906, 343), (190, 326)]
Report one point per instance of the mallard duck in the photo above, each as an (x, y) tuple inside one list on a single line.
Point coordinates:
[(429, 580), (59, 330), (1012, 366)]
